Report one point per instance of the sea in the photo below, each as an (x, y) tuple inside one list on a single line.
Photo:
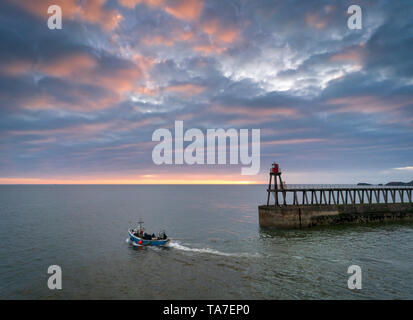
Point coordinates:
[(217, 249)]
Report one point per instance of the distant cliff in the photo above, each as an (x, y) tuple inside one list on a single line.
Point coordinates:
[(391, 184), (397, 183)]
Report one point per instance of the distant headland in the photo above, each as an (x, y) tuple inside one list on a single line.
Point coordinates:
[(393, 183)]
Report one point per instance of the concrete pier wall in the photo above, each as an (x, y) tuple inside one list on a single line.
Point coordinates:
[(304, 216)]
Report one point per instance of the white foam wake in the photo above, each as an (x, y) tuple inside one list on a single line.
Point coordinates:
[(179, 246), (132, 242)]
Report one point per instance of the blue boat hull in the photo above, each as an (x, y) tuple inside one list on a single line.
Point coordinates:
[(136, 240)]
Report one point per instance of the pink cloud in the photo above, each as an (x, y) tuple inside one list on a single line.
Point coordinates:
[(243, 115), (370, 104), (68, 66), (84, 68), (79, 129), (292, 141), (180, 9), (15, 68), (355, 55), (209, 49), (187, 89), (220, 36), (227, 35), (255, 111), (157, 41), (315, 21), (214, 28), (146, 91), (184, 9), (150, 3), (92, 11)]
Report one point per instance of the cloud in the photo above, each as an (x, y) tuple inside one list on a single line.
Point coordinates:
[(187, 89), (180, 9), (371, 104), (220, 33), (184, 9), (87, 98), (354, 55), (293, 141), (91, 11), (405, 168), (209, 49), (109, 72)]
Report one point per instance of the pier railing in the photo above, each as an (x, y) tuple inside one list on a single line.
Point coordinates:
[(337, 196)]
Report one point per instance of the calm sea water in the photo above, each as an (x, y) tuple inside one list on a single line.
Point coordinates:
[(218, 251)]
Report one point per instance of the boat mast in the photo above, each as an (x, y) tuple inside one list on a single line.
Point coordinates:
[(140, 222)]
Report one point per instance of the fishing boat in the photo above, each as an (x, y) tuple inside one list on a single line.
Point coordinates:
[(139, 237)]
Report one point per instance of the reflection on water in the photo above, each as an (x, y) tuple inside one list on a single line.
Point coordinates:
[(217, 250)]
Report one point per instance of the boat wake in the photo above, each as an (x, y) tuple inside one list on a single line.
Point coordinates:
[(132, 243), (179, 246)]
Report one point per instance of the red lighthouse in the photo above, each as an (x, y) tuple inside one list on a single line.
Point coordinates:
[(275, 172), (275, 168)]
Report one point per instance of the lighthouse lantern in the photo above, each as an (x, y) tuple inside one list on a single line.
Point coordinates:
[(275, 168)]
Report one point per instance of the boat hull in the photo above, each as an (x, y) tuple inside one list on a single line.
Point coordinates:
[(137, 240)]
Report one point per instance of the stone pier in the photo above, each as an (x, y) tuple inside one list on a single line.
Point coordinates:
[(304, 216)]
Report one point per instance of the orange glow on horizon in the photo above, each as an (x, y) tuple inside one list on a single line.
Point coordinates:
[(143, 179)]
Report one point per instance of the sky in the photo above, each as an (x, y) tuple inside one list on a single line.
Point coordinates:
[(79, 105)]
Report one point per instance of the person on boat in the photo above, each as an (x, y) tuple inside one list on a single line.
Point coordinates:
[(146, 236)]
